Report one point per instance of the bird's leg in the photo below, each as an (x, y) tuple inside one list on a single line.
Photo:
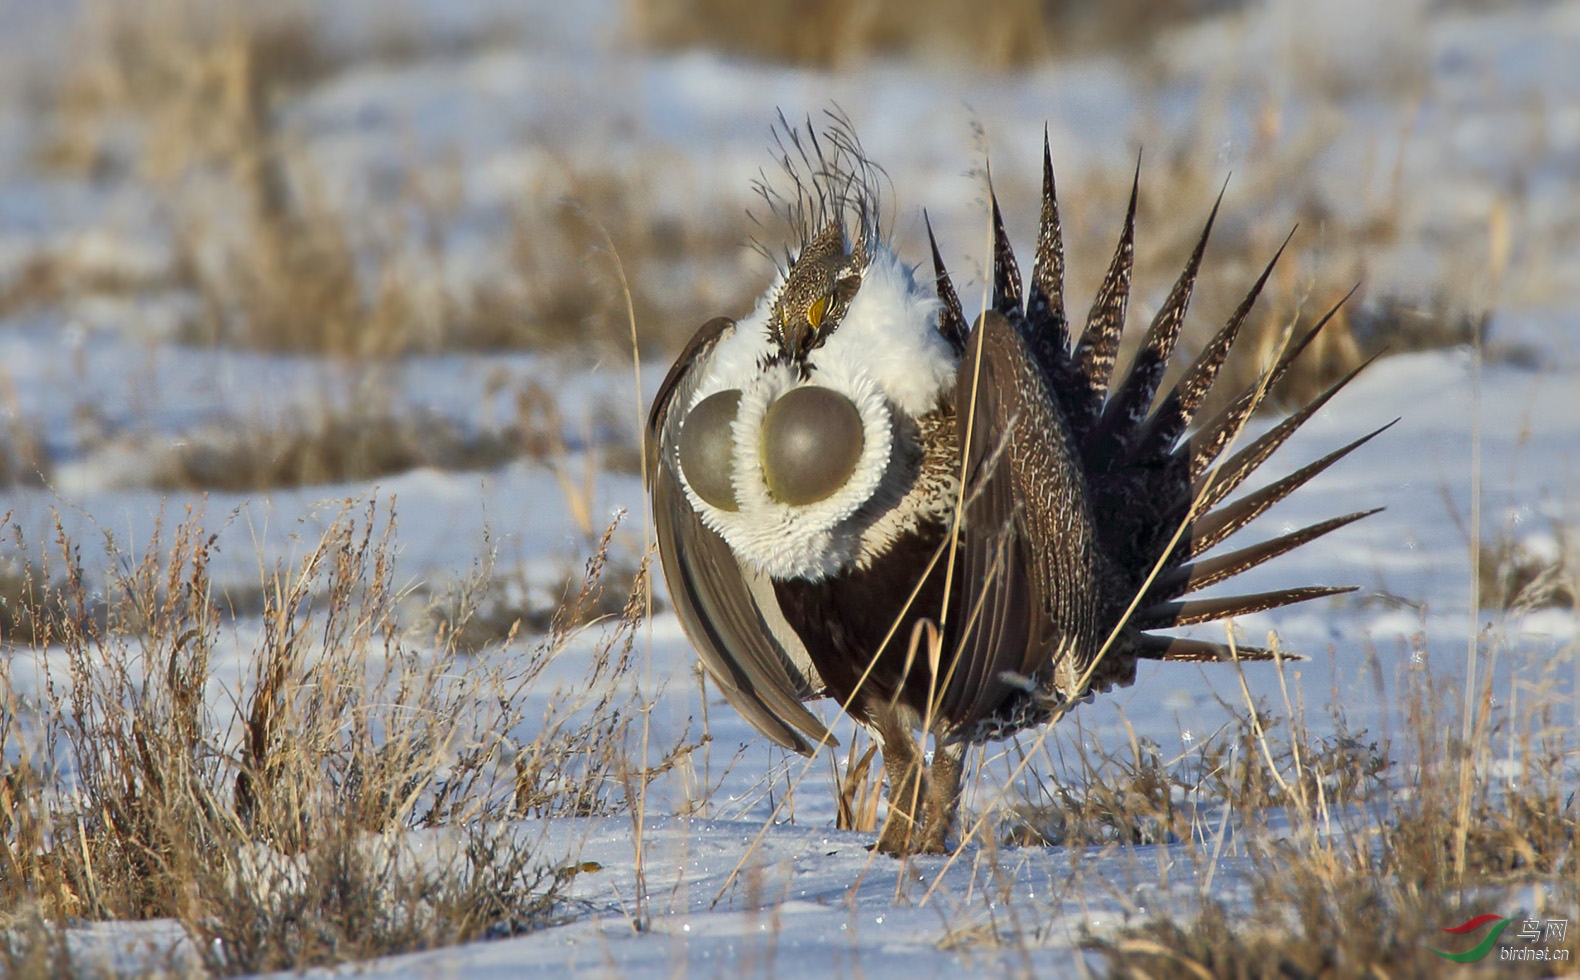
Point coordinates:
[(943, 797), (902, 765)]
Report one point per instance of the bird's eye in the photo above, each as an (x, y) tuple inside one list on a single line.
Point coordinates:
[(812, 440), (815, 312), (707, 449)]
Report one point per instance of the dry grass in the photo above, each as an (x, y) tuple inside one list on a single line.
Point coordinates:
[(858, 785), (281, 267), (51, 278), (374, 433), (996, 33), (32, 948), (1090, 796), (1364, 327), (28, 605), (275, 266), (1354, 871), (173, 61), (24, 461), (681, 271), (328, 446), (1515, 575), (489, 607), (277, 830), (278, 266)]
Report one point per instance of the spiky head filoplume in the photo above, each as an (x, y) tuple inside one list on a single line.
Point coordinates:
[(817, 291)]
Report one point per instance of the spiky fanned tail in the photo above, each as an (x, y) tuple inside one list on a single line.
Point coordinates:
[(1146, 475)]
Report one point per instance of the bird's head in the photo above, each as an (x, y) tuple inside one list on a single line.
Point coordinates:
[(800, 440), (817, 291)]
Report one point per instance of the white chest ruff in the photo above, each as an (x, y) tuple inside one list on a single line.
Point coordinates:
[(889, 360)]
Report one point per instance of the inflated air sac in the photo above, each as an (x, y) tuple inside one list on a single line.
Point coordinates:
[(707, 456), (812, 441)]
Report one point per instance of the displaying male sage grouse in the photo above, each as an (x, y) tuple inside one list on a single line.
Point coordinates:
[(806, 468)]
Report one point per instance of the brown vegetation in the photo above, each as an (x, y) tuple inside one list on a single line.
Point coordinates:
[(272, 829), (1385, 846), (289, 270), (1515, 576), (991, 33)]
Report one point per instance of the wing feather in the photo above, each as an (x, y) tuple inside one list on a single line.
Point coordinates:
[(749, 651), (1025, 567)]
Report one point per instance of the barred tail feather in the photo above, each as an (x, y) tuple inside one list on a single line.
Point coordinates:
[(1006, 274), (1193, 576), (1189, 612), (1147, 466), (1045, 300), (1210, 529), (1099, 345), (951, 319), (1163, 429), (1127, 407), (1182, 649), (1218, 483), (1205, 446)]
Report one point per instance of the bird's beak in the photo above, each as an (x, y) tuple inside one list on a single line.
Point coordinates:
[(796, 336)]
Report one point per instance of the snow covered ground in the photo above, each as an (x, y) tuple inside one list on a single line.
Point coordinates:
[(816, 903), (1459, 123)]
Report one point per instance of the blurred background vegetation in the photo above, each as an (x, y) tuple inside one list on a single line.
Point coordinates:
[(290, 197)]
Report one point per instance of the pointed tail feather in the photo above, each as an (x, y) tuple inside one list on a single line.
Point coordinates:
[(1045, 299), (1206, 444), (1006, 274), (1209, 529), (1179, 648), (1224, 479), (1094, 355), (1189, 612), (951, 319), (1193, 576), (1128, 406), (1165, 426)]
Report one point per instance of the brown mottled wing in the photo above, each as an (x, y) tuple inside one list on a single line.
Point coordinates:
[(749, 651), (1025, 574)]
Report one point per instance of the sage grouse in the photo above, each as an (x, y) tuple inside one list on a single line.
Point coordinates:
[(806, 467)]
